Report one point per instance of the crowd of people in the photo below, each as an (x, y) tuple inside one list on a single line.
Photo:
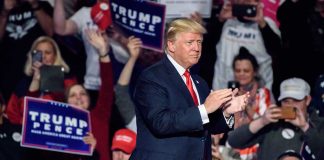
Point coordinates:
[(217, 91)]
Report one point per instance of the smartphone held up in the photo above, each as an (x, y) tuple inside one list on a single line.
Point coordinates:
[(244, 10), (288, 112), (233, 84), (37, 56)]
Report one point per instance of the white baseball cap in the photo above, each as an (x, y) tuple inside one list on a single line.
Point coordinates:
[(295, 88)]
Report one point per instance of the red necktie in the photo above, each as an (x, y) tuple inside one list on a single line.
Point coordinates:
[(190, 87)]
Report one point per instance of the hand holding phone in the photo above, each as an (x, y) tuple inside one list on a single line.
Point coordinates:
[(233, 84), (37, 56), (244, 10), (288, 112)]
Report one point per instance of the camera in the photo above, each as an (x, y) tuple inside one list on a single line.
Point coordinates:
[(233, 84), (244, 10), (288, 112), (37, 56)]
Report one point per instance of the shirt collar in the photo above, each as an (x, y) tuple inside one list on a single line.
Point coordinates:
[(179, 68)]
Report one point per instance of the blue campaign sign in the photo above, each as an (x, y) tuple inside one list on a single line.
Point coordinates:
[(143, 19), (55, 126)]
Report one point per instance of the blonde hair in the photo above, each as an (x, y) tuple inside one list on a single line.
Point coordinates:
[(182, 25), (59, 61)]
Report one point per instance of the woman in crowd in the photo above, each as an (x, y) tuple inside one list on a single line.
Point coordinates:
[(50, 55), (246, 73), (245, 69), (78, 96)]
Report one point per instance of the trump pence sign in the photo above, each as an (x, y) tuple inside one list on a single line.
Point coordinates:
[(55, 126)]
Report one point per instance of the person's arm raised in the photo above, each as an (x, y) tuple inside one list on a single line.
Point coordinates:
[(134, 45), (4, 17), (100, 41), (45, 20), (61, 25), (271, 115)]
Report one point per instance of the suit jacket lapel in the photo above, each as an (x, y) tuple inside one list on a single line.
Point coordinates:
[(177, 81)]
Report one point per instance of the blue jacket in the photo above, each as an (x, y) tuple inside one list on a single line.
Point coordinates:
[(169, 125)]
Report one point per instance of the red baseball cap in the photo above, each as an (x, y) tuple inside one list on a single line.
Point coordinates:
[(124, 140), (100, 14)]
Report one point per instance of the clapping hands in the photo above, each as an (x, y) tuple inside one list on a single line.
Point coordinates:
[(237, 103), (227, 100)]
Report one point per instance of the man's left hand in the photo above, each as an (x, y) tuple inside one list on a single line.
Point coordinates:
[(236, 104)]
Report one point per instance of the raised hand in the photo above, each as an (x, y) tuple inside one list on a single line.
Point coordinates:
[(33, 3), (99, 40), (259, 18), (8, 5), (134, 46), (226, 12), (197, 17), (271, 115)]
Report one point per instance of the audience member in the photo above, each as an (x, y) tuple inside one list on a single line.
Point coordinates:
[(50, 55), (275, 135), (97, 16), (123, 144), (229, 33), (78, 96), (10, 137), (101, 113), (223, 151), (246, 67), (290, 155), (301, 25), (246, 73), (123, 99), (21, 22)]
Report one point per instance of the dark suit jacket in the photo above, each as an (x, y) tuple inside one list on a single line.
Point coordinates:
[(169, 125)]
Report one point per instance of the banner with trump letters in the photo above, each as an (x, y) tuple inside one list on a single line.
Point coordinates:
[(142, 19), (184, 8), (55, 126)]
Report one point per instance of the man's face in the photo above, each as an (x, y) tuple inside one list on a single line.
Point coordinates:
[(186, 48), (120, 155)]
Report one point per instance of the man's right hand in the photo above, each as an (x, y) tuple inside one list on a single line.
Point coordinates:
[(216, 99), (271, 115)]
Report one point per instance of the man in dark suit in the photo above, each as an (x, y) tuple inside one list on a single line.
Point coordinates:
[(176, 115)]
